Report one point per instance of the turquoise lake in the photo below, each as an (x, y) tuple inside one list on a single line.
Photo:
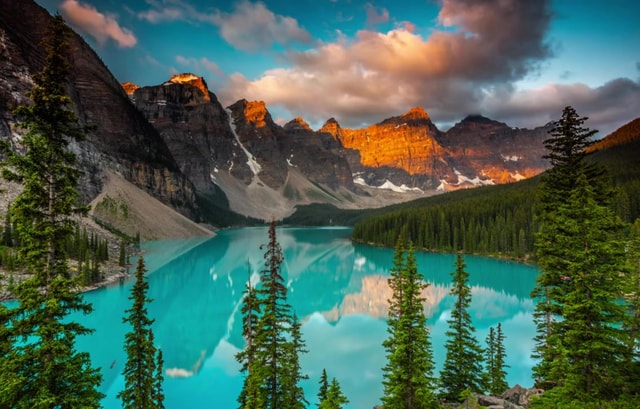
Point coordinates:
[(339, 291)]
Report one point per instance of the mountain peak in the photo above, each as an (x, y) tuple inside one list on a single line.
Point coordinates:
[(332, 127), (191, 79), (415, 113), (254, 112), (480, 119), (297, 123), (129, 87)]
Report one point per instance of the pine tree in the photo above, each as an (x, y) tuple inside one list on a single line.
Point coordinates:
[(273, 346), (631, 363), (408, 376), (158, 393), (495, 362), (293, 393), (43, 367), (250, 394), (141, 379), (335, 399), (7, 232), (122, 258), (592, 314), (324, 387), (462, 366), (566, 151)]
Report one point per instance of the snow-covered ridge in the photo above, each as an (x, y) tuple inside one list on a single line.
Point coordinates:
[(388, 185), (476, 181)]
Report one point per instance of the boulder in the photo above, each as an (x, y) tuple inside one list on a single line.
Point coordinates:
[(521, 396)]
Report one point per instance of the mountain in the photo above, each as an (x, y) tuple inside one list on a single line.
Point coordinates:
[(123, 140), (410, 150), (494, 151), (212, 163)]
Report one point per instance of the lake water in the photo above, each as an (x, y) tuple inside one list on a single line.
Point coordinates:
[(338, 289)]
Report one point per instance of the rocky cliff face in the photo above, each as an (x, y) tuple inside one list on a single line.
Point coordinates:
[(410, 150), (404, 150), (123, 140), (313, 153), (493, 150), (195, 128), (257, 132)]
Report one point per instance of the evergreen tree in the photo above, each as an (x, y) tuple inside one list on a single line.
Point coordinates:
[(43, 369), (324, 387), (141, 379), (335, 399), (495, 362), (249, 395), (462, 366), (274, 344), (408, 376), (631, 363), (592, 316), (122, 258), (158, 392), (7, 232), (293, 393), (555, 247)]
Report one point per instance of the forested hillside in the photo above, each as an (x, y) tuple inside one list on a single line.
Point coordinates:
[(500, 219)]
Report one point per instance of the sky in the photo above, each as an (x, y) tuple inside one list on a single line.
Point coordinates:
[(516, 61)]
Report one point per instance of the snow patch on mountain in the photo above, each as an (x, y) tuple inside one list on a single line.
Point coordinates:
[(388, 185), (512, 158)]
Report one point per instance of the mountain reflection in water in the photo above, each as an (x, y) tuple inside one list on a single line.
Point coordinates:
[(339, 291)]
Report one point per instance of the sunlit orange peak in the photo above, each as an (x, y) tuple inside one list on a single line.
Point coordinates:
[(130, 87), (416, 112), (191, 79)]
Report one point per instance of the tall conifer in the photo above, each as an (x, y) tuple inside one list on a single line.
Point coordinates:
[(495, 362), (270, 358), (142, 382), (408, 376), (324, 387), (593, 315), (554, 247), (462, 366), (44, 368), (335, 399)]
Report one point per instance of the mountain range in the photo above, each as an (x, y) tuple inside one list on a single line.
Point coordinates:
[(178, 143)]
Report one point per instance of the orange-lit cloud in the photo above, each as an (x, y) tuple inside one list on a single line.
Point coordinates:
[(100, 26)]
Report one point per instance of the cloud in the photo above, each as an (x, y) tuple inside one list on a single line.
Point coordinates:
[(250, 27), (200, 65), (374, 17), (607, 106), (481, 48), (172, 10), (253, 26), (98, 25)]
